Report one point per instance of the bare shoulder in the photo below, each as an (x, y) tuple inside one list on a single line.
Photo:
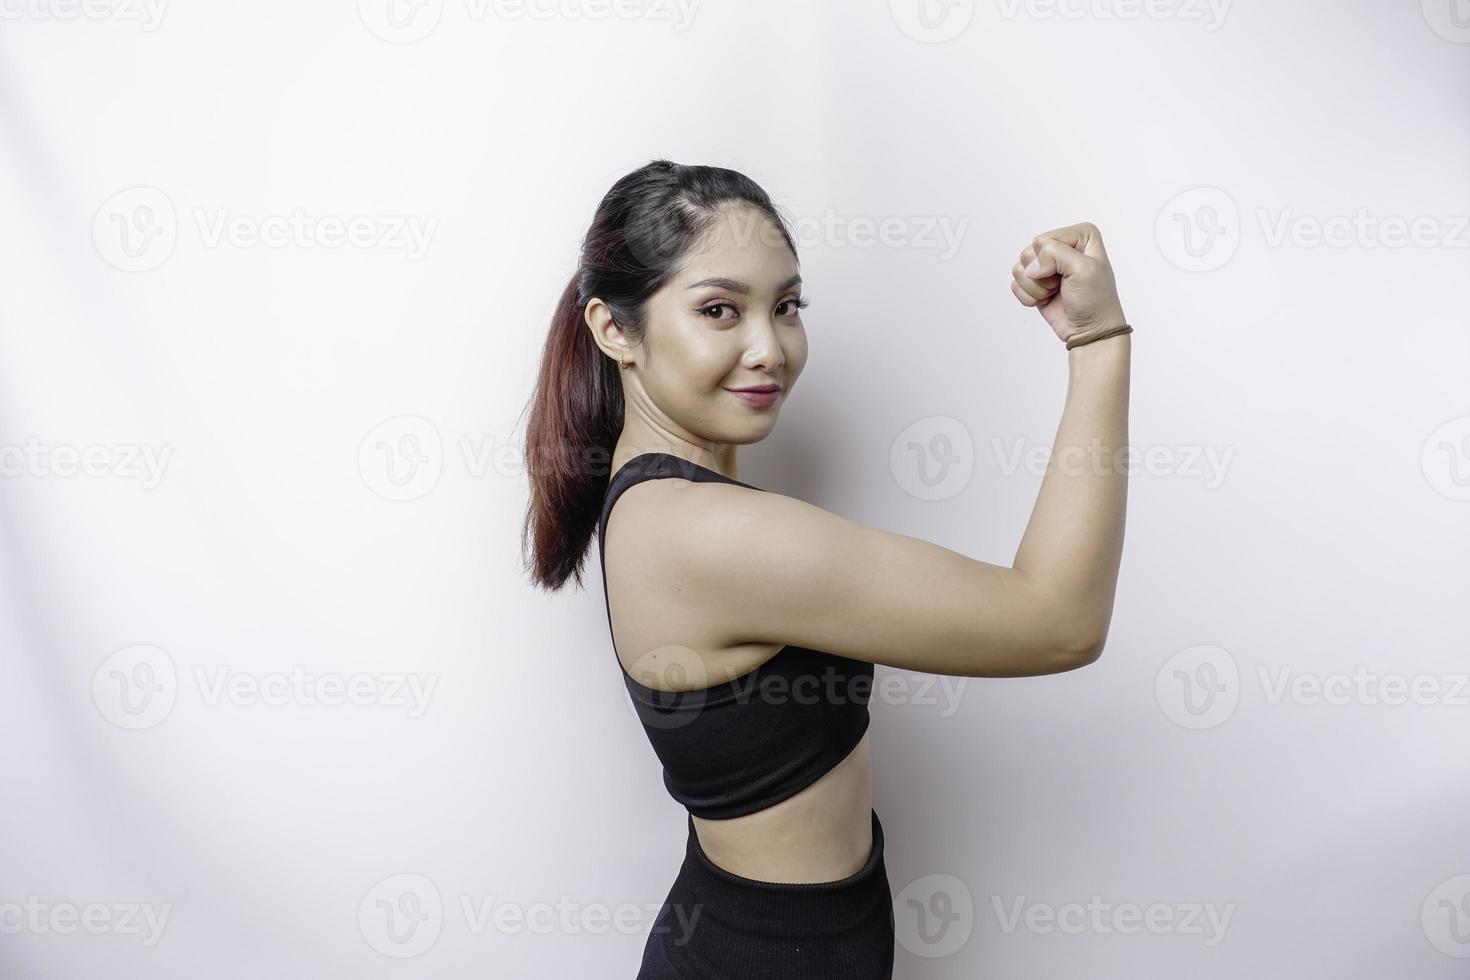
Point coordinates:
[(663, 640)]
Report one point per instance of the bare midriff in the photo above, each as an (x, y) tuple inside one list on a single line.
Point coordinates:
[(823, 833)]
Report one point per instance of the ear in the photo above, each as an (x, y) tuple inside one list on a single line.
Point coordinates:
[(605, 332)]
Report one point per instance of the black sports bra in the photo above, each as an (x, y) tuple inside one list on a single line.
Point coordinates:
[(753, 741)]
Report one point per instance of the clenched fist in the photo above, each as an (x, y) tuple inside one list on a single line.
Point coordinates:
[(1067, 276)]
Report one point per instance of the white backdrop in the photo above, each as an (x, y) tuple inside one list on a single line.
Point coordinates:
[(279, 702)]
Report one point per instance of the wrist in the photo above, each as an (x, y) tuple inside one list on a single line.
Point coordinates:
[(1104, 330), (1119, 345)]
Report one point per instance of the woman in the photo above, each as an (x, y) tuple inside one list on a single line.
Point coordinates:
[(747, 623)]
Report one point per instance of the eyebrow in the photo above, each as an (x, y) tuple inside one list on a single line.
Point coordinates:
[(736, 286)]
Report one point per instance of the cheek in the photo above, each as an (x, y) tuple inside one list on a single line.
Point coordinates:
[(796, 353), (695, 363), (709, 356)]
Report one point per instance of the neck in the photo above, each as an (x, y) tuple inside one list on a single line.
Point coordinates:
[(719, 457)]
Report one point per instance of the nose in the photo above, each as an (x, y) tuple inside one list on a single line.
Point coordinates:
[(764, 349)]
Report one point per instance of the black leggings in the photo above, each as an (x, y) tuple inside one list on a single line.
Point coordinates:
[(716, 925)]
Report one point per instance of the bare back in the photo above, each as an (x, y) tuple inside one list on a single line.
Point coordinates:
[(823, 832)]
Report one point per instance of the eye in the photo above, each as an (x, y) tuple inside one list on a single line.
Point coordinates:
[(799, 304), (704, 310)]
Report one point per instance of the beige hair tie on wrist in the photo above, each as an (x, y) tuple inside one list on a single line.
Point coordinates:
[(1096, 333)]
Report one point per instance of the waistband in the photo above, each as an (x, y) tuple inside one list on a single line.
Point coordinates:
[(796, 910)]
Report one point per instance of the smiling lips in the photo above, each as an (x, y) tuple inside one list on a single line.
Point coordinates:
[(757, 396)]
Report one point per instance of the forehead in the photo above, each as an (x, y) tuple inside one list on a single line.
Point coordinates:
[(743, 243)]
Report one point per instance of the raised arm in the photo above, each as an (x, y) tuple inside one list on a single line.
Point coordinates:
[(1073, 544), (762, 567)]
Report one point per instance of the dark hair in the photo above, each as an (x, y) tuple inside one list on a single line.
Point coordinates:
[(640, 234)]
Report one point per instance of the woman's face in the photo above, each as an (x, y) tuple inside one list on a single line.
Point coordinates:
[(728, 318)]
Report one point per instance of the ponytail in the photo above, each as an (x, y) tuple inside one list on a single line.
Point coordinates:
[(574, 425)]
